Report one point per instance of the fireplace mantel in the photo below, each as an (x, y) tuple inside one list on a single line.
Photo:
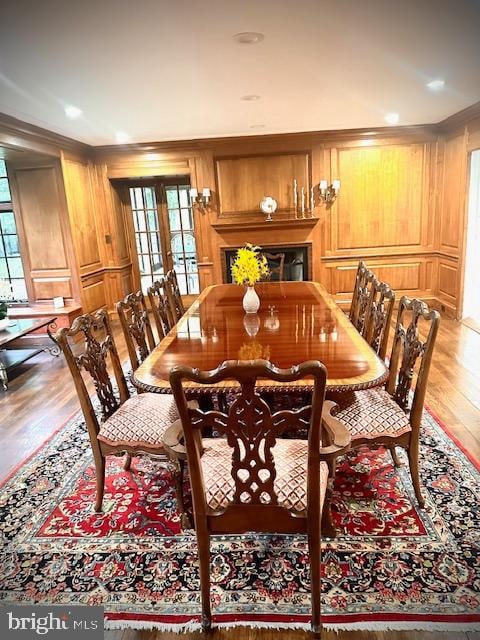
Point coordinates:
[(222, 227)]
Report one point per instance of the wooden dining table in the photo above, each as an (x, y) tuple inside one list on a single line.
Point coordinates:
[(297, 321)]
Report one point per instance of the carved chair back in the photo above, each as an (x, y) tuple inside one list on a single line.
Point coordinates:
[(251, 431), (174, 296), (276, 263), (136, 327), (157, 294), (361, 269), (364, 288), (99, 351), (410, 352), (378, 316)]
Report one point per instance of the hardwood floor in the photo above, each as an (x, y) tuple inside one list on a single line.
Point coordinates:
[(42, 397)]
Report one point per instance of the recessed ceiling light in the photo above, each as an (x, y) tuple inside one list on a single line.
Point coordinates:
[(121, 137), (392, 118), (72, 112), (248, 37), (250, 97), (257, 126), (436, 85)]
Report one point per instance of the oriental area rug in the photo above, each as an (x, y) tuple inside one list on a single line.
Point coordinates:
[(392, 565)]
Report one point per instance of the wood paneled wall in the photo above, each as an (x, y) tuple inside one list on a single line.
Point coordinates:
[(401, 206), (85, 232), (459, 139), (45, 237)]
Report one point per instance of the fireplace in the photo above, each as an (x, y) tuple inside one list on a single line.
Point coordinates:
[(297, 264)]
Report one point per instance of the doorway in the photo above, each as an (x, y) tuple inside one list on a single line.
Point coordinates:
[(471, 296), (162, 233)]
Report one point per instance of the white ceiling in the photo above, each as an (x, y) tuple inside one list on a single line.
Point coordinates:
[(169, 69)]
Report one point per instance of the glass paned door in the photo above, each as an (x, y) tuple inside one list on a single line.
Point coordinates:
[(182, 238), (163, 226), (147, 235)]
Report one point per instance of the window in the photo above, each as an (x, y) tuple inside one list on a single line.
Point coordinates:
[(11, 267), (163, 226)]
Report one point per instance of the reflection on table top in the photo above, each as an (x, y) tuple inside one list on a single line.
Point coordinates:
[(18, 328), (297, 321)]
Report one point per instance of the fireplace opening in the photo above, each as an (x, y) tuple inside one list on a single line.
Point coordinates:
[(296, 265)]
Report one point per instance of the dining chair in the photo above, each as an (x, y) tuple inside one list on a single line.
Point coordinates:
[(129, 424), (361, 269), (250, 478), (378, 316), (157, 294), (137, 330), (366, 278), (275, 263), (392, 416), (174, 296)]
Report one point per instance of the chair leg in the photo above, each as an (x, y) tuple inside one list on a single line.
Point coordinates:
[(395, 458), (315, 559), (178, 475), (128, 461), (328, 528), (100, 474), (203, 540), (413, 451)]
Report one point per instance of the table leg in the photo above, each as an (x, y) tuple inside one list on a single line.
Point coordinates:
[(3, 376), (55, 349)]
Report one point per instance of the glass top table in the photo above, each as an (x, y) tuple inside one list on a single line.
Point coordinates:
[(13, 350), (297, 321)]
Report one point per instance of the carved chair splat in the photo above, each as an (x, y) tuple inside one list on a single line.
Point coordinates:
[(177, 308), (157, 294), (136, 327), (361, 269), (378, 316)]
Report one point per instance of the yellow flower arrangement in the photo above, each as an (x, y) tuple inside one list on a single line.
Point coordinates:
[(249, 267)]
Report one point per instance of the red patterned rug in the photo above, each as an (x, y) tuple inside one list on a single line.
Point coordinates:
[(392, 565)]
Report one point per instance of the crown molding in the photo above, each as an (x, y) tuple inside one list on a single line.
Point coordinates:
[(459, 119), (326, 137), (17, 134)]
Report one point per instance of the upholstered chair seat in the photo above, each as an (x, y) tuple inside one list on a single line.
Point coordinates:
[(290, 458), (140, 420), (373, 414)]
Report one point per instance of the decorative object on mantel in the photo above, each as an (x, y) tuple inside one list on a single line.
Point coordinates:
[(304, 206), (328, 192), (6, 296), (248, 268), (268, 205), (200, 200)]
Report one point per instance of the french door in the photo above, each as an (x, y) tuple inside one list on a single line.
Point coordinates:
[(163, 233)]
